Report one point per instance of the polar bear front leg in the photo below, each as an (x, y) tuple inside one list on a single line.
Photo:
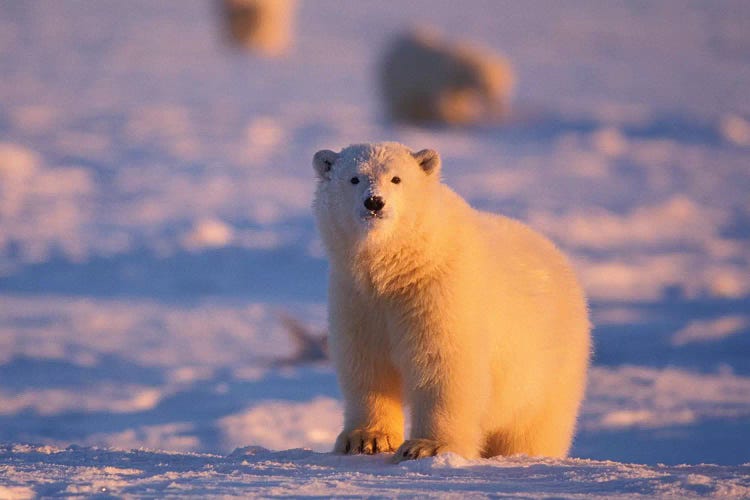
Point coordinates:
[(448, 385), (373, 420), (371, 426), (443, 423), (370, 384)]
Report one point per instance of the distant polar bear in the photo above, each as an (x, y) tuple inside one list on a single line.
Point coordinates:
[(472, 319), (263, 25), (424, 78)]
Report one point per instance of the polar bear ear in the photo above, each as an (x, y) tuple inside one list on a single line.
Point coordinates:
[(428, 159), (323, 160)]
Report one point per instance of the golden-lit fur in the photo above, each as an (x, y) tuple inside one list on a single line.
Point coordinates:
[(263, 25), (426, 78), (472, 319)]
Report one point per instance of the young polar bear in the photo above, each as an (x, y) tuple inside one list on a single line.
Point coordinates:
[(472, 319)]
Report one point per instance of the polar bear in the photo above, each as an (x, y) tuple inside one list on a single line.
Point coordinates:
[(472, 319), (424, 78), (263, 25)]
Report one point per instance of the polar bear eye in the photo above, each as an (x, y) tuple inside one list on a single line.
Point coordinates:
[(354, 180), (396, 179)]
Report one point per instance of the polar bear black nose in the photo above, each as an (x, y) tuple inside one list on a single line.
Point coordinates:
[(374, 203)]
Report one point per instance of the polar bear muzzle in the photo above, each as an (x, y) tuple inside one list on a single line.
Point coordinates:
[(374, 203)]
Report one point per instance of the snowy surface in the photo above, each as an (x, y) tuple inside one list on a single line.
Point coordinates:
[(155, 228), (74, 471)]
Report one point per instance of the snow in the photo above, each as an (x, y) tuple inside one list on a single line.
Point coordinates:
[(632, 396), (709, 330), (92, 471), (736, 129), (157, 251)]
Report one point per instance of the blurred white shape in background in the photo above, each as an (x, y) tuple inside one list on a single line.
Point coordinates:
[(274, 424), (209, 233), (425, 78), (261, 25), (41, 205), (17, 165), (710, 330), (610, 142), (736, 130)]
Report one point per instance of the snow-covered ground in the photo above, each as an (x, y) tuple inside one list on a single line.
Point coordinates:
[(155, 230)]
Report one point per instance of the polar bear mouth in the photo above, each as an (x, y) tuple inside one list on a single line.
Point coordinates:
[(371, 215)]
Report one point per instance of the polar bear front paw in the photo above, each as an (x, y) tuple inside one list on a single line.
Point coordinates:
[(365, 441), (418, 448)]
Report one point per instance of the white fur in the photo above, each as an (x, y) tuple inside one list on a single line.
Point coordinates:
[(263, 25), (424, 78), (472, 319)]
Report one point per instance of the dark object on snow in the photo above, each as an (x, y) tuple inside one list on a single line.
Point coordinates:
[(308, 347)]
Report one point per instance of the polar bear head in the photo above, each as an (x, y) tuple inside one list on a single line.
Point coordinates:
[(373, 192)]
